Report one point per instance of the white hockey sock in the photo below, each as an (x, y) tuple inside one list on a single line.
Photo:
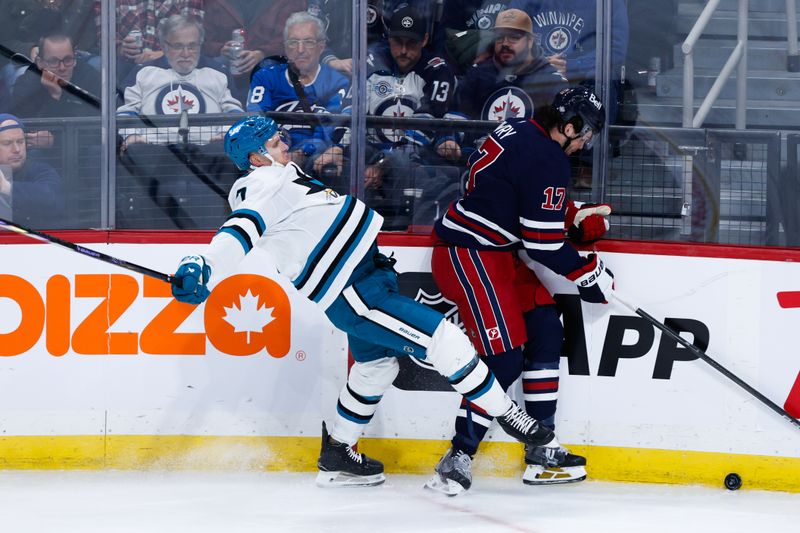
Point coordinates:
[(452, 355), (478, 385), (360, 396)]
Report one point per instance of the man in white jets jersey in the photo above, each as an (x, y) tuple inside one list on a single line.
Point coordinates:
[(325, 243)]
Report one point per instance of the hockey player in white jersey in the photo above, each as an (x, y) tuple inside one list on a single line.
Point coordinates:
[(326, 245)]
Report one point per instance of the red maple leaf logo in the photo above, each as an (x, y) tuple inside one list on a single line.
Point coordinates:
[(187, 105), (499, 109)]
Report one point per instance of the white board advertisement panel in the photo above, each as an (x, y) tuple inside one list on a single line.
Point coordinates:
[(80, 354)]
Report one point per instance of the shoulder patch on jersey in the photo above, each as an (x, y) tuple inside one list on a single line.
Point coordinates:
[(241, 193), (436, 62), (314, 185)]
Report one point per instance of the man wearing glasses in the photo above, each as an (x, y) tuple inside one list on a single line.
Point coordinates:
[(514, 81), (43, 95), (182, 165), (303, 85), (180, 81)]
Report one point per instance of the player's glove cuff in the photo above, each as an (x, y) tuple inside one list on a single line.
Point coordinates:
[(190, 281), (595, 282)]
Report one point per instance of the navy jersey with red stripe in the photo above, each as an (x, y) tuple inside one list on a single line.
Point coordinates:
[(516, 197)]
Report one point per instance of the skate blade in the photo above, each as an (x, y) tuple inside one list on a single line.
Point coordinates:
[(343, 479), (447, 487), (539, 475)]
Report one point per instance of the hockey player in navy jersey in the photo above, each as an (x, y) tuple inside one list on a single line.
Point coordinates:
[(303, 85), (516, 203), (325, 244)]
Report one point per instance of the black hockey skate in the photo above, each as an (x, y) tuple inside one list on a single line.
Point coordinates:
[(341, 466), (453, 473), (518, 424), (552, 464)]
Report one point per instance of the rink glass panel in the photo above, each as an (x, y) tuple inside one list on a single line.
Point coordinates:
[(666, 183)]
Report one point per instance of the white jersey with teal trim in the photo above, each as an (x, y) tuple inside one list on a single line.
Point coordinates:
[(315, 236)]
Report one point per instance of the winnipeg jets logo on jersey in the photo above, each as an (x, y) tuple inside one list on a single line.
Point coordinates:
[(558, 40), (392, 97), (484, 23), (558, 31), (483, 18), (507, 102), (174, 99)]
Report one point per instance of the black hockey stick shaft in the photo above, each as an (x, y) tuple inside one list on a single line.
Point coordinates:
[(714, 364), (22, 230)]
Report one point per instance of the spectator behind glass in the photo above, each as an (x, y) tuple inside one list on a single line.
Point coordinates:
[(44, 96), (381, 12), (512, 82), (566, 31), (464, 34), (337, 16), (180, 81), (23, 22), (406, 81), (337, 19), (262, 21), (144, 15), (30, 191), (304, 86)]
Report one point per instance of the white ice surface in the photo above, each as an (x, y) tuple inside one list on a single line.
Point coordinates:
[(121, 502)]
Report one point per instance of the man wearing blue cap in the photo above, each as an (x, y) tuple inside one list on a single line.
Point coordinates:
[(30, 191)]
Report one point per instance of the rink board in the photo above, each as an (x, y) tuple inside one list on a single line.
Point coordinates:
[(99, 368)]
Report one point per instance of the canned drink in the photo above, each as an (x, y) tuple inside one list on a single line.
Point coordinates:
[(234, 52), (136, 35), (237, 35)]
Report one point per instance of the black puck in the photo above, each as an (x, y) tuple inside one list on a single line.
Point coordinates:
[(733, 481)]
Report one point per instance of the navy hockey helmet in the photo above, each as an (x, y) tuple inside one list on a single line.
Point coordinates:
[(580, 103), (247, 136)]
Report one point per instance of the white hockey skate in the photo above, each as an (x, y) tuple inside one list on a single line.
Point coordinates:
[(552, 465), (341, 466), (453, 474)]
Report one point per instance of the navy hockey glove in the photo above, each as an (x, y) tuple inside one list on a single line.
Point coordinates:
[(190, 280), (586, 223), (595, 282)]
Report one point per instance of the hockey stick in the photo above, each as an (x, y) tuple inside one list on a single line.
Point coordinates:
[(22, 230), (705, 357)]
